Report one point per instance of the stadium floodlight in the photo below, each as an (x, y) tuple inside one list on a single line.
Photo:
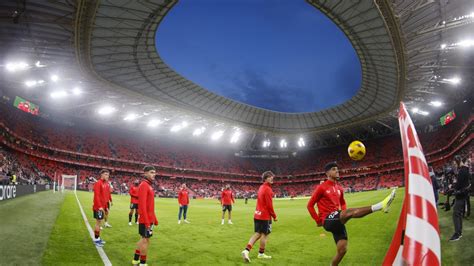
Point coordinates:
[(154, 123), (12, 67), (283, 143), (40, 81), (38, 64), (423, 113), (266, 143), (178, 127), (58, 94), (416, 110), (31, 83), (443, 46), (106, 110), (217, 135), (235, 137), (199, 131), (436, 103), (54, 78), (130, 117), (454, 80), (465, 43), (301, 142), (76, 91)]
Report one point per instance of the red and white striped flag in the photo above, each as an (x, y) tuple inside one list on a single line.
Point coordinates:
[(416, 240)]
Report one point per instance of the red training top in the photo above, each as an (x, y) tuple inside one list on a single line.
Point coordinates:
[(107, 191), (227, 197), (99, 201), (133, 194), (330, 197), (146, 204), (183, 198), (264, 209)]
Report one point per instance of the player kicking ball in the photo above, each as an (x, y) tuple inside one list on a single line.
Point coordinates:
[(262, 218), (333, 213)]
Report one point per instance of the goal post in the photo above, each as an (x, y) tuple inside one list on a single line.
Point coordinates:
[(68, 182)]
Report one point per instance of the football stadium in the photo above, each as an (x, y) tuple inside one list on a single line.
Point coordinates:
[(233, 132)]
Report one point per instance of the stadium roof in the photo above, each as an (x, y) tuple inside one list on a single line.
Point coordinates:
[(108, 47)]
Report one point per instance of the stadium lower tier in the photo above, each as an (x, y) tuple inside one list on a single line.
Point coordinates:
[(128, 151)]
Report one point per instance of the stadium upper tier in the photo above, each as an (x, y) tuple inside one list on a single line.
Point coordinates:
[(125, 151), (409, 50)]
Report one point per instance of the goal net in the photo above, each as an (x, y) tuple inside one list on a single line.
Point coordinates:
[(69, 182)]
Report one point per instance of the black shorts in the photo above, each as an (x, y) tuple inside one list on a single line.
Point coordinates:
[(333, 224), (98, 215), (142, 231), (134, 206), (262, 226), (226, 208)]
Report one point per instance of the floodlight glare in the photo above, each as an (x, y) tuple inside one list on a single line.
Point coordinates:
[(106, 110), (130, 117), (178, 127), (466, 43), (235, 137), (436, 103), (38, 64), (415, 110), (454, 80), (301, 142), (266, 143), (31, 83), (217, 135), (283, 143), (199, 131), (77, 91), (423, 113), (443, 46), (154, 123), (12, 67), (58, 94), (54, 78)]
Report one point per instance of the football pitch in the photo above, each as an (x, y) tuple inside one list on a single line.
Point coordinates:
[(48, 229)]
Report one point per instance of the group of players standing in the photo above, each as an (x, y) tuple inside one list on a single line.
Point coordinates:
[(332, 214)]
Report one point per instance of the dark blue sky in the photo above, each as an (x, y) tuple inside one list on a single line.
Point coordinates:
[(283, 55)]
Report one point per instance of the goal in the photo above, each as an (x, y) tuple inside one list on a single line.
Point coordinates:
[(69, 182)]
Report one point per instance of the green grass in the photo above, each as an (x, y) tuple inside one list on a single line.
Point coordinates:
[(459, 252), (295, 239), (70, 243), (25, 226)]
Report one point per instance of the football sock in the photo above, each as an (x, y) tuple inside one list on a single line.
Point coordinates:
[(249, 247), (142, 259), (137, 254), (97, 234), (136, 217), (129, 218)]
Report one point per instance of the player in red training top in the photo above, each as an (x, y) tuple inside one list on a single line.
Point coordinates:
[(262, 218), (147, 218), (227, 199), (183, 200), (333, 213), (108, 200), (99, 205), (133, 202)]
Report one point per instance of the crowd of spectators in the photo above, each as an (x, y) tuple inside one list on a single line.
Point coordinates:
[(40, 150)]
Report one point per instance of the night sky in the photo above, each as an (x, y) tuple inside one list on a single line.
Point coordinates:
[(283, 56)]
